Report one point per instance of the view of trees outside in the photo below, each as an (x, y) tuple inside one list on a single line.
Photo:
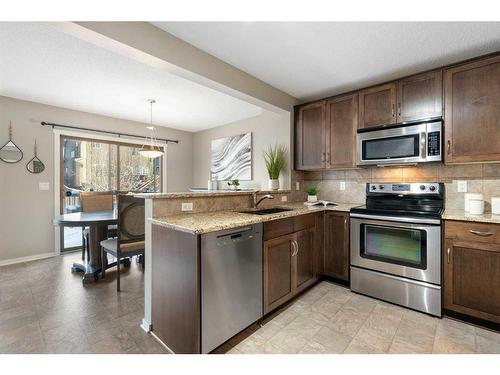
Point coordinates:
[(93, 166)]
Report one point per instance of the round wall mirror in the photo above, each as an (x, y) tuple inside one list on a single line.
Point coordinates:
[(9, 152)]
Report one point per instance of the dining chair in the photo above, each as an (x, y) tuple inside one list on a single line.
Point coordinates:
[(130, 234), (93, 201)]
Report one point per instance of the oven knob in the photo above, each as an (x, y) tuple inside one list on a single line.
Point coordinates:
[(374, 187), (432, 188), (381, 187), (422, 187)]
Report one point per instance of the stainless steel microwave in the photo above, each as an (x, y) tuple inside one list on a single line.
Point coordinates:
[(400, 144)]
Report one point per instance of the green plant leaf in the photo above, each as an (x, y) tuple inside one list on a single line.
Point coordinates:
[(275, 158)]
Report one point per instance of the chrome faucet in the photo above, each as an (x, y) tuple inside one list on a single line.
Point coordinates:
[(256, 202)]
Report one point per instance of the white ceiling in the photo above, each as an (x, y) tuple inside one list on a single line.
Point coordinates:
[(310, 60), (41, 64)]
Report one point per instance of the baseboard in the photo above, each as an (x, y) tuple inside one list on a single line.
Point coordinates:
[(145, 325), (27, 259)]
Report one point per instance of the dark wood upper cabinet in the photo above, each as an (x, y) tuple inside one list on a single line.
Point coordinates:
[(420, 96), (336, 251), (341, 126), (377, 105), (472, 112), (310, 137)]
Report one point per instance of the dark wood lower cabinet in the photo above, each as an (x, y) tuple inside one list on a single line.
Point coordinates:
[(336, 251), (306, 273), (290, 260), (472, 270), (279, 269)]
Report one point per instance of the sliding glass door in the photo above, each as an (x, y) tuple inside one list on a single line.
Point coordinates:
[(95, 165)]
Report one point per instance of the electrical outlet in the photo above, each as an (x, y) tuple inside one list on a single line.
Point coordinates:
[(342, 185), (297, 185), (462, 186), (284, 198), (187, 206)]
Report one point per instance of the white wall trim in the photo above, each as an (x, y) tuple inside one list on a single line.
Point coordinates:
[(95, 136), (27, 258)]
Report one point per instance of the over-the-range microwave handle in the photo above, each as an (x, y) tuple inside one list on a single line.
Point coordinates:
[(423, 145)]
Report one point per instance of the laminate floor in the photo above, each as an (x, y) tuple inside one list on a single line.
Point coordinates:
[(45, 309)]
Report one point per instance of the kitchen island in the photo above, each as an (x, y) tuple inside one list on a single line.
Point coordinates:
[(174, 258)]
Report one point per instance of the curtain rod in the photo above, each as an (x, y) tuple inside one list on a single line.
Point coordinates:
[(103, 131)]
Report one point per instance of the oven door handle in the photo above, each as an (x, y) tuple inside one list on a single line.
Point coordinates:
[(396, 219)]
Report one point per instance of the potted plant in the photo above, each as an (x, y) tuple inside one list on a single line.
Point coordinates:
[(312, 194), (234, 183), (275, 158)]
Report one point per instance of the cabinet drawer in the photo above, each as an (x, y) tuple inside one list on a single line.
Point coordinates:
[(303, 222), (473, 232), (277, 228)]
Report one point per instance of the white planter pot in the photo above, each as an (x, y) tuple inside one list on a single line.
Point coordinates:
[(273, 184), (312, 198)]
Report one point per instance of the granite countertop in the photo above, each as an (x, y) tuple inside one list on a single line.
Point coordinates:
[(461, 215), (207, 193), (206, 222)]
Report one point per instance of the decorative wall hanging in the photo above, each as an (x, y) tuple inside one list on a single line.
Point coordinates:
[(9, 152), (232, 158), (35, 165)]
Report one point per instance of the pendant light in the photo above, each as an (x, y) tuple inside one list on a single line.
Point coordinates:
[(150, 149)]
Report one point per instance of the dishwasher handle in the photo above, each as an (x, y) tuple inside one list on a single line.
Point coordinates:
[(235, 234)]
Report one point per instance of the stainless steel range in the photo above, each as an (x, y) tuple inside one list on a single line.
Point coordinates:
[(396, 244)]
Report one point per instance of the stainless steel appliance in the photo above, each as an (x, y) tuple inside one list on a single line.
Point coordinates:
[(396, 244), (231, 283), (400, 144)]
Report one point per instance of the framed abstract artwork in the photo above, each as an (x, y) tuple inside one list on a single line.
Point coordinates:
[(232, 158)]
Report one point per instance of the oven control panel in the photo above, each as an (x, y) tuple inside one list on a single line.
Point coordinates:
[(405, 188)]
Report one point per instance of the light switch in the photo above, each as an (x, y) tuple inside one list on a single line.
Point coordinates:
[(43, 186), (297, 185), (342, 185), (284, 198)]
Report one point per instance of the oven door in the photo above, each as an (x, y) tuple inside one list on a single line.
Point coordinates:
[(410, 250), (393, 146)]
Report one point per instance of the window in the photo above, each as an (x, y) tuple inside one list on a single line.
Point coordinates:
[(90, 165)]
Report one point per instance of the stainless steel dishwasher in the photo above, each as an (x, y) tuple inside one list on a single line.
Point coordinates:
[(231, 283)]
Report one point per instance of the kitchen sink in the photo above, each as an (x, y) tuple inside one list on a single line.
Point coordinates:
[(266, 211)]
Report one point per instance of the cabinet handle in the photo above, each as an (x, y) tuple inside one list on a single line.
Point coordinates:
[(399, 109), (482, 234), (295, 248), (323, 157), (393, 110), (448, 255), (448, 146)]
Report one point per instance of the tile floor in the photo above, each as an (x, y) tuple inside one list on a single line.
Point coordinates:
[(331, 319), (45, 309)]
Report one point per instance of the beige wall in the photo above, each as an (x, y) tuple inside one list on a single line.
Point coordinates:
[(267, 128), (26, 213)]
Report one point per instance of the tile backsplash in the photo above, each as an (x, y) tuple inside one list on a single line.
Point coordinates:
[(481, 178)]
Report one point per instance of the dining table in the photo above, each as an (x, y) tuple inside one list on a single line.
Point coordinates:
[(98, 223)]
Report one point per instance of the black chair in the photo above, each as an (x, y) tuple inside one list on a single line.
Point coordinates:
[(130, 234)]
